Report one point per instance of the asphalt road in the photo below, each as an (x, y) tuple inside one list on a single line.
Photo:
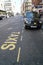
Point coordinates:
[(19, 46)]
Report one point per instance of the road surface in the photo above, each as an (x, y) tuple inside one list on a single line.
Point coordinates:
[(19, 46)]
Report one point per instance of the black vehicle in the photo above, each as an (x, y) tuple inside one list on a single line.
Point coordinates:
[(0, 17), (39, 9), (32, 20)]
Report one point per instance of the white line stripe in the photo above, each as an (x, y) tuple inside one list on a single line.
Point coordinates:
[(22, 31), (23, 27), (21, 38), (18, 57), (10, 28)]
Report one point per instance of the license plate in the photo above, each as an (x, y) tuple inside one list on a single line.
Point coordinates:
[(33, 26), (34, 23)]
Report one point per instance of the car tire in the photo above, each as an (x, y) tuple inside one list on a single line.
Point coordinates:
[(0, 18), (39, 27), (42, 27), (25, 27)]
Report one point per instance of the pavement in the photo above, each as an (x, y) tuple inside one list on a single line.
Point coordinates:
[(19, 46)]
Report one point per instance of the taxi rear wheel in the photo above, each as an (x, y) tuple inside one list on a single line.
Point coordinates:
[(39, 27), (25, 27)]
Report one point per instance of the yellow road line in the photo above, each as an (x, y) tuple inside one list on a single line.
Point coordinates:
[(18, 57), (11, 39), (15, 32), (16, 35), (13, 35), (18, 32), (10, 42)]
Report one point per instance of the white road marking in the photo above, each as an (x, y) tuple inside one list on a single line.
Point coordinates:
[(23, 26), (18, 57), (22, 31), (10, 28), (21, 38)]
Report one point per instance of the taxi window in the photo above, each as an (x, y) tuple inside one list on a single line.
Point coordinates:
[(29, 15)]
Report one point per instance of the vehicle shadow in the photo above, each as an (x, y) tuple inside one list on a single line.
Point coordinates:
[(33, 29)]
